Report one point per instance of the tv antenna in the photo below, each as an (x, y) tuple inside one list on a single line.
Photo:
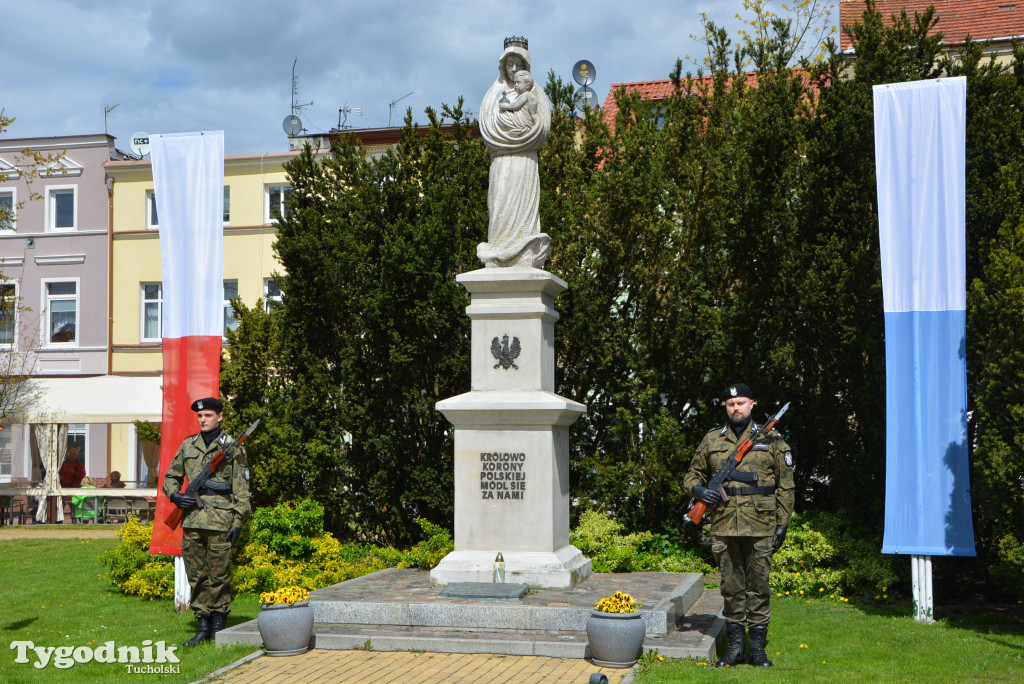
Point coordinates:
[(296, 107), (391, 107), (106, 113), (343, 115)]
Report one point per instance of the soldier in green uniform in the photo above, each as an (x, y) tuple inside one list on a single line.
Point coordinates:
[(750, 515), (213, 520)]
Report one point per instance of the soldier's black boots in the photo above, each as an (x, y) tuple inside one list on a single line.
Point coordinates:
[(758, 641), (203, 632), (219, 620), (735, 653)]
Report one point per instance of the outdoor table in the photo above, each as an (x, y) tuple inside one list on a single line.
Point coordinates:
[(9, 491), (102, 492), (31, 489)]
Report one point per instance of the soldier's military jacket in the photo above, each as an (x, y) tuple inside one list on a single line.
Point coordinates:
[(770, 461), (225, 498)]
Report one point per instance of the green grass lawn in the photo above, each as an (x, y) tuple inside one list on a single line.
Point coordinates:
[(52, 594), (825, 641)]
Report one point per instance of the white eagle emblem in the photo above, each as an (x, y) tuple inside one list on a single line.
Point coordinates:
[(504, 353)]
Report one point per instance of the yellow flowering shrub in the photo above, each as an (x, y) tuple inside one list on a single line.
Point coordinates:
[(132, 569), (154, 580), (258, 568), (618, 603), (289, 595)]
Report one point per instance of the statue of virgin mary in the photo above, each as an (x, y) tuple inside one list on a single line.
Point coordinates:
[(513, 140)]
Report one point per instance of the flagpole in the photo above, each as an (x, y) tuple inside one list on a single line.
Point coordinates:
[(921, 577), (182, 592)]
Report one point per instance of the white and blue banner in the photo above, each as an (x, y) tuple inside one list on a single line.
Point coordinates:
[(920, 150)]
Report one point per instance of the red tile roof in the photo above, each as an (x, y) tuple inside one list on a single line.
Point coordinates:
[(982, 19), (652, 90), (649, 90)]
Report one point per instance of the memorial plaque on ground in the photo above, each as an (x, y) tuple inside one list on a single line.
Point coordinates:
[(484, 590)]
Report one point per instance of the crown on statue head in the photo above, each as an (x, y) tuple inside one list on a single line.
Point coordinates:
[(518, 41)]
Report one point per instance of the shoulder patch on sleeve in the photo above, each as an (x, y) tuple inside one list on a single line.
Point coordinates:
[(246, 474), (789, 459)]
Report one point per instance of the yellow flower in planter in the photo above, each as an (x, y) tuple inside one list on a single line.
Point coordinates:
[(617, 603), (289, 595)]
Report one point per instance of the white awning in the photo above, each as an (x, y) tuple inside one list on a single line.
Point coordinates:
[(100, 399)]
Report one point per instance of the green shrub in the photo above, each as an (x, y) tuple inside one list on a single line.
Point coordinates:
[(804, 563), (827, 553), (601, 540), (132, 569), (288, 529), (425, 554), (154, 579), (1008, 571), (660, 554), (258, 568)]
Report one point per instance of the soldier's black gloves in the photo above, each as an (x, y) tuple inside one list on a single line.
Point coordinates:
[(183, 500), (780, 536), (708, 496), (233, 534)]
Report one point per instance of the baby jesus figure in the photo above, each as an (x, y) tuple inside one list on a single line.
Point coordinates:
[(518, 115)]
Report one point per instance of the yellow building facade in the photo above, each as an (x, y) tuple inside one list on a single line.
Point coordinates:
[(253, 184)]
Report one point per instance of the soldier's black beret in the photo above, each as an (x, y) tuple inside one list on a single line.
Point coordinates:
[(208, 404), (737, 390)]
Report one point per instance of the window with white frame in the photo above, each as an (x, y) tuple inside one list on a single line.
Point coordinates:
[(61, 207), (8, 313), (271, 295), (151, 314), (77, 440), (61, 315), (8, 208), (276, 197), (152, 223), (230, 292), (5, 456)]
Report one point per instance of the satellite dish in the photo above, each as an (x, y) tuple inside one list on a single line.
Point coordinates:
[(140, 144), (292, 125), (586, 96), (584, 73)]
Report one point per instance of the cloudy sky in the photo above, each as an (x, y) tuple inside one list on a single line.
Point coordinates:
[(188, 65)]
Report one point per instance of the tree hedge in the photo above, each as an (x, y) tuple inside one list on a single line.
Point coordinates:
[(726, 233)]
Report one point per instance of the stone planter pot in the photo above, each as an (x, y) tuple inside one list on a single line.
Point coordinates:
[(616, 639), (286, 630)]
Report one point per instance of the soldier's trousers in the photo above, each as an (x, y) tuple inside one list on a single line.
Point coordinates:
[(207, 556), (745, 563)]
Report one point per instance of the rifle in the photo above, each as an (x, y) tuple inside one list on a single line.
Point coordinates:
[(699, 508), (174, 519)]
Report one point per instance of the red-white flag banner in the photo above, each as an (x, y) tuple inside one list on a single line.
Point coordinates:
[(188, 181)]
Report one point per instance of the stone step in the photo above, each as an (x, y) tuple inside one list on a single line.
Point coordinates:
[(697, 641), (406, 598), (406, 613)]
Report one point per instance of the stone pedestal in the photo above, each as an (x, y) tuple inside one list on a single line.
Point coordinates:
[(512, 439)]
